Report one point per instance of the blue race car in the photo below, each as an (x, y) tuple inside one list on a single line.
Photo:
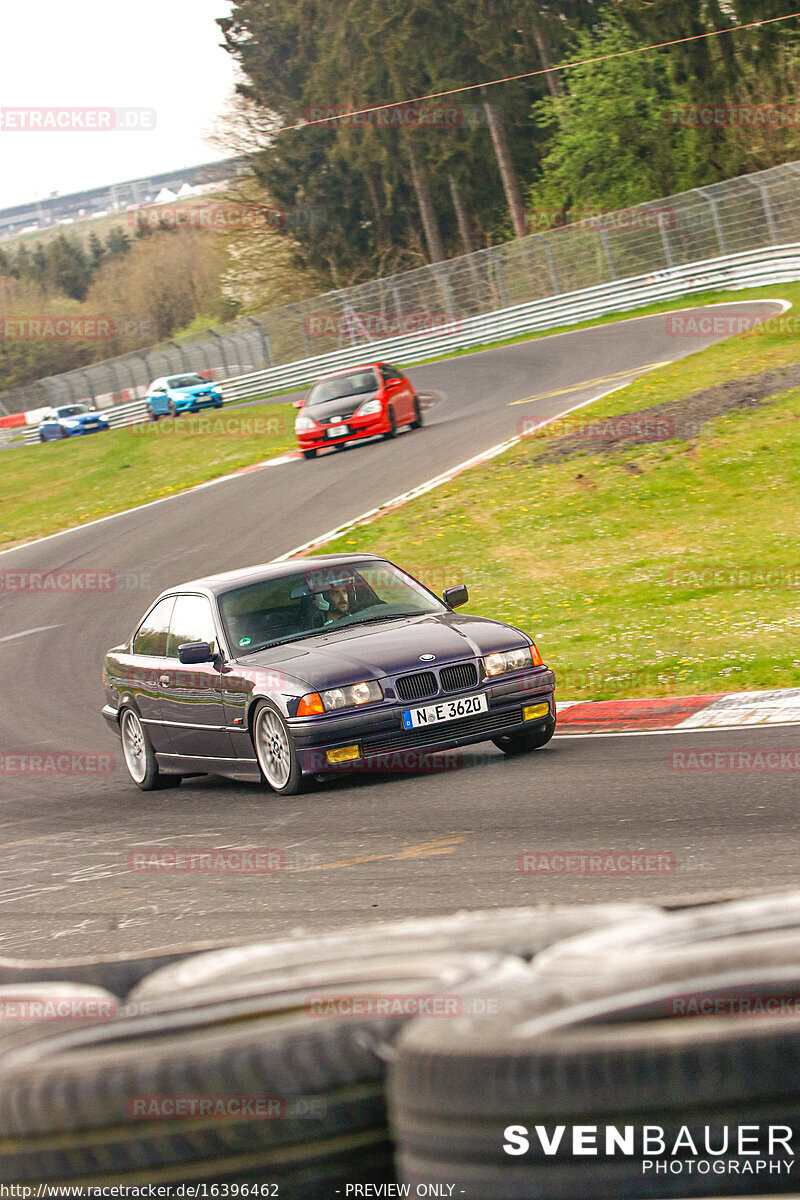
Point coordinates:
[(181, 393), (71, 420)]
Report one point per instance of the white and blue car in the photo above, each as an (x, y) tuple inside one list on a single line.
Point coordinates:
[(71, 420), (176, 394)]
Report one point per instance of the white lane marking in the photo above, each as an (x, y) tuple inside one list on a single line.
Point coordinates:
[(437, 481), (269, 462), (280, 461), (12, 637)]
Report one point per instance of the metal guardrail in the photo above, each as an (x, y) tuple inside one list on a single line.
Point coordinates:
[(765, 267), (772, 264), (725, 218)]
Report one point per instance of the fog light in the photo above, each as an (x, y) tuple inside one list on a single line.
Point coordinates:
[(532, 711), (344, 754)]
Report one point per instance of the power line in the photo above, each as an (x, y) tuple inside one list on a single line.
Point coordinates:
[(581, 62)]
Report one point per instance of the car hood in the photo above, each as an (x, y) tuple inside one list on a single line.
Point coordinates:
[(345, 406), (82, 418), (353, 653), (198, 389)]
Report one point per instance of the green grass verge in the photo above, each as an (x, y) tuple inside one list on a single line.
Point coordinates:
[(60, 484), (663, 569)]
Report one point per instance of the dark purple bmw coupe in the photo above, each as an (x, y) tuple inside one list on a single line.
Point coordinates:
[(292, 669)]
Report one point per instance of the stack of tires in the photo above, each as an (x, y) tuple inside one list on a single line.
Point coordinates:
[(258, 1064), (486, 1053), (687, 1029)]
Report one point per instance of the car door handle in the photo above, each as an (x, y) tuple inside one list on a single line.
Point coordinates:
[(164, 680)]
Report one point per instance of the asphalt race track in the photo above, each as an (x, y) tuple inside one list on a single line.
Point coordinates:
[(373, 847)]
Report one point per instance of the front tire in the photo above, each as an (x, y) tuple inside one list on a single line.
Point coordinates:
[(152, 413), (391, 432), (522, 743), (173, 412), (140, 757), (417, 422), (275, 752), (309, 454)]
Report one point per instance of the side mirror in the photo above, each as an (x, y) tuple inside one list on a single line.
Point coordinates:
[(298, 403), (195, 652), (454, 597)]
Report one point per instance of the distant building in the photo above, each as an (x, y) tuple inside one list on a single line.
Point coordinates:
[(63, 210)]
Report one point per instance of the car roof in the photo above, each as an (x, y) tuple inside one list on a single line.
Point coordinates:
[(350, 370), (215, 585)]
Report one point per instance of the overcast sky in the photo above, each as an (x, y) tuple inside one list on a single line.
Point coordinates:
[(154, 54)]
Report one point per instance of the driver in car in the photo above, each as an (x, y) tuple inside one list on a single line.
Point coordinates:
[(338, 598)]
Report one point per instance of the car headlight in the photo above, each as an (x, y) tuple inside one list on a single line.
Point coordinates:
[(352, 697), (304, 425), (508, 660), (338, 698), (70, 423), (369, 408)]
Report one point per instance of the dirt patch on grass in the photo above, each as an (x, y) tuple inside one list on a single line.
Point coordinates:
[(674, 419)]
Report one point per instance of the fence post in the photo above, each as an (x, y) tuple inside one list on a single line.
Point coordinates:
[(498, 272), (665, 242), (762, 187), (182, 352), (551, 262), (609, 256), (712, 204), (266, 345), (222, 340), (295, 308)]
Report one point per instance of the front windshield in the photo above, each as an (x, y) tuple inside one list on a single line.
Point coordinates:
[(354, 384), (73, 410), (320, 600), (184, 381)]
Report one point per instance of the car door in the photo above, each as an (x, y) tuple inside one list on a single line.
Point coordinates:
[(191, 695), (399, 392), (144, 666)]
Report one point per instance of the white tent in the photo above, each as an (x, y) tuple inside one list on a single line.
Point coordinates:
[(165, 196)]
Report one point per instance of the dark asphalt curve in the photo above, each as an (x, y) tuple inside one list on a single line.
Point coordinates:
[(374, 847)]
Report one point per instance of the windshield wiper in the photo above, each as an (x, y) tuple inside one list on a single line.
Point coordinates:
[(391, 617), (295, 637)]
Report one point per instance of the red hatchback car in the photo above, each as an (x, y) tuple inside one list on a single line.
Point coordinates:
[(358, 403)]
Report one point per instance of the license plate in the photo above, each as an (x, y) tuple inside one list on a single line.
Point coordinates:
[(448, 710), (338, 430)]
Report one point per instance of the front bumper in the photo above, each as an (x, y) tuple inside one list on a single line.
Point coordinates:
[(379, 734), (357, 427), (194, 405), (111, 715), (86, 429)]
